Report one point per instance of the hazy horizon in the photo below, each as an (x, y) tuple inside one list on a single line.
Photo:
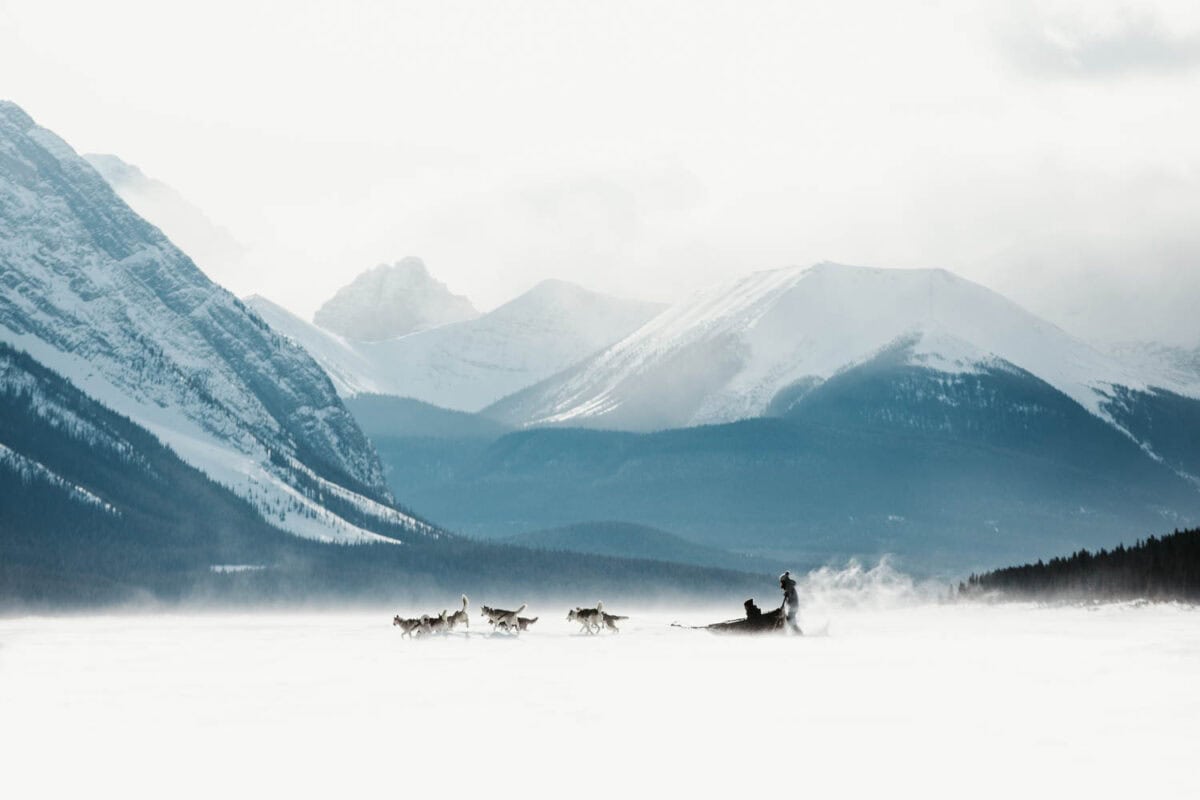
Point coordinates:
[(1043, 150)]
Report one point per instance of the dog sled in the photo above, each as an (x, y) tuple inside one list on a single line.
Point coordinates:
[(756, 621), (764, 622)]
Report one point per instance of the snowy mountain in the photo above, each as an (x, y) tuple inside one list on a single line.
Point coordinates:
[(392, 300), (467, 365), (212, 247), (98, 295), (94, 508), (734, 351)]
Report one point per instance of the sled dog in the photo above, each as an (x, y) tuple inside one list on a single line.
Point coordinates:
[(459, 617), (523, 623), (508, 620), (407, 626), (497, 615), (611, 620), (438, 624), (589, 619)]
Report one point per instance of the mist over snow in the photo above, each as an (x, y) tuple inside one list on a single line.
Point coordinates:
[(894, 692)]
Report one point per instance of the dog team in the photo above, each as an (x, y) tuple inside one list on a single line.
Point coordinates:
[(591, 620)]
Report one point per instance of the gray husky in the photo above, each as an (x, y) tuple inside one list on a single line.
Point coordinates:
[(406, 625), (460, 617), (589, 619)]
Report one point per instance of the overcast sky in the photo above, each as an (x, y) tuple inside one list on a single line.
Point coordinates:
[(1048, 150)]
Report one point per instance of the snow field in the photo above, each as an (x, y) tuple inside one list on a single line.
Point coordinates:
[(913, 700)]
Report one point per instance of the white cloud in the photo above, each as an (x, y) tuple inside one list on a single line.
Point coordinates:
[(647, 148), (1101, 43)]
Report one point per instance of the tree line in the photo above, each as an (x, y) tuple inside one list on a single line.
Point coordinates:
[(1157, 568)]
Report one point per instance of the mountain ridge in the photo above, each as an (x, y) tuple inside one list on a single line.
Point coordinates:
[(464, 366), (729, 352), (97, 294)]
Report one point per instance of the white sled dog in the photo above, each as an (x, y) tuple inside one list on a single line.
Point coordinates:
[(500, 618), (589, 619), (459, 617)]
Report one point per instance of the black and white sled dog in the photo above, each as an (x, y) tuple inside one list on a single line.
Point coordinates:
[(501, 619), (590, 619), (407, 625), (459, 617)]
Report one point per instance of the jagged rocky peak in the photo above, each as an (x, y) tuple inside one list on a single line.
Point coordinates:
[(392, 300)]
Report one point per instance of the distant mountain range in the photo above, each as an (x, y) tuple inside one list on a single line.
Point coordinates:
[(741, 349), (795, 415), (468, 365), (833, 411)]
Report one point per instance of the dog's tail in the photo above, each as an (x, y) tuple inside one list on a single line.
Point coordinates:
[(519, 610), (465, 601), (535, 619), (599, 605)]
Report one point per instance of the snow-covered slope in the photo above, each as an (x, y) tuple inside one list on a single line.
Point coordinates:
[(392, 300), (467, 365), (727, 352), (351, 372), (1177, 366), (100, 296), (212, 247)]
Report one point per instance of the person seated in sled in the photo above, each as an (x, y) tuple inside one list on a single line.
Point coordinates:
[(791, 601), (752, 611)]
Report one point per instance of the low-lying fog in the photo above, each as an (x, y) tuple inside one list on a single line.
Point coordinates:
[(893, 692)]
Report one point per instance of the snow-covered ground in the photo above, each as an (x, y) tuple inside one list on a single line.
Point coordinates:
[(912, 700)]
